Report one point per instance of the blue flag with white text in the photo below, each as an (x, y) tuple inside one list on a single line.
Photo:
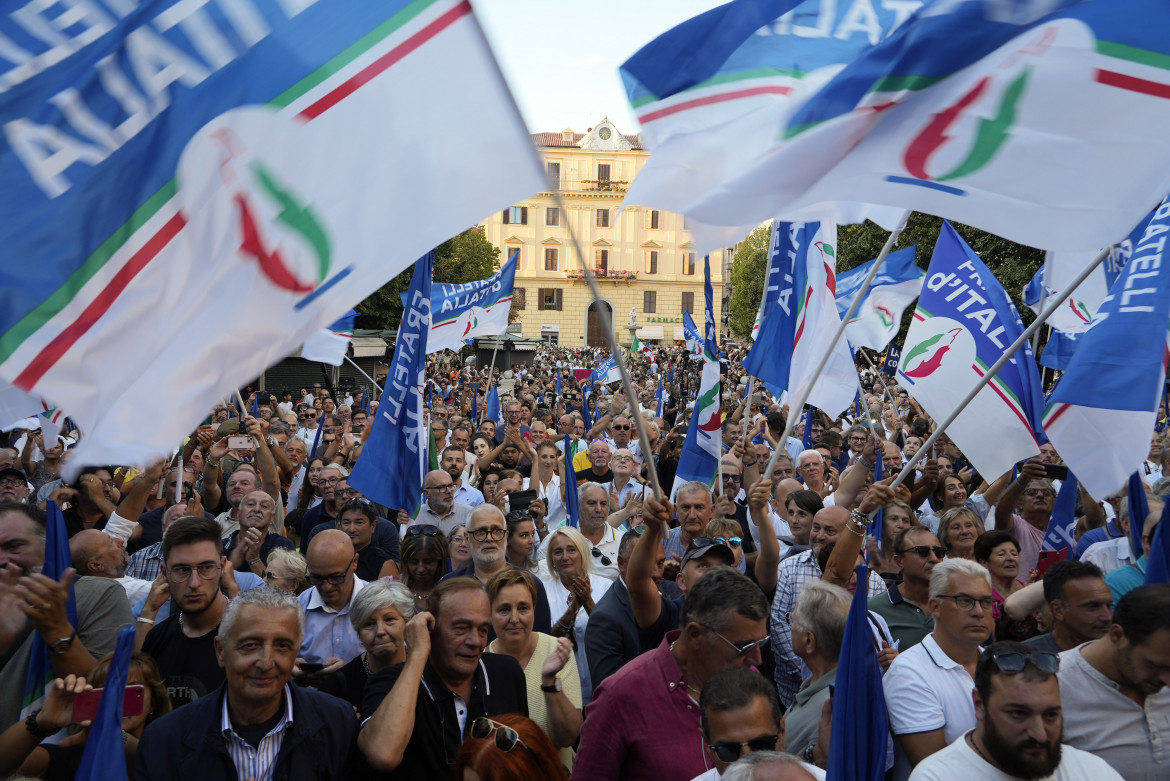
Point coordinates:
[(607, 371), (1062, 524), (396, 463), (878, 316), (704, 442)]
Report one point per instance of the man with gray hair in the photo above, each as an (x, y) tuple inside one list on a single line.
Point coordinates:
[(928, 688), (818, 630), (770, 765), (256, 725)]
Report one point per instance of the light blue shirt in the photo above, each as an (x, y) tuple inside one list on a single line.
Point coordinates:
[(328, 632), (256, 763)]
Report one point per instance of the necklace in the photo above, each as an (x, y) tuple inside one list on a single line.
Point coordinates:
[(974, 745), (691, 690), (366, 664)]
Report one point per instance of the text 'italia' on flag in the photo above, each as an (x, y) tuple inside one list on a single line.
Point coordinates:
[(800, 319), (235, 186), (1042, 122), (879, 315), (1105, 406), (704, 443), (607, 371), (472, 309), (963, 324), (711, 93), (399, 441)]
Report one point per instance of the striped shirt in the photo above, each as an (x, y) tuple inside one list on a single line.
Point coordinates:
[(146, 564), (256, 763)]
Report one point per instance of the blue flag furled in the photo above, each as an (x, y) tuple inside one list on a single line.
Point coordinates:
[(1139, 510), (256, 405), (1158, 556), (607, 371), (963, 324), (57, 560), (1062, 524), (366, 402), (398, 441), (878, 316), (585, 416), (876, 528), (316, 439), (493, 411), (558, 383), (670, 375), (694, 337), (104, 758), (704, 443), (1101, 413), (572, 509), (859, 703), (807, 441), (660, 396)]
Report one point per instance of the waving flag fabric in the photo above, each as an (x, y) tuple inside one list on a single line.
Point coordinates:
[(800, 319), (493, 411), (694, 337), (472, 309), (397, 444), (879, 315), (1062, 525), (704, 443), (170, 169), (963, 324), (1158, 557), (1042, 122), (607, 371), (57, 560), (572, 504), (660, 397), (1101, 413), (104, 757), (1139, 510), (711, 93), (329, 345)]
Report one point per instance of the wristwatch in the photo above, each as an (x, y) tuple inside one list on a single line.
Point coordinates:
[(556, 686), (63, 644)]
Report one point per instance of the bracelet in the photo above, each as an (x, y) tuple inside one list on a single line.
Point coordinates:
[(852, 530), (746, 464), (213, 464), (36, 730), (143, 620), (866, 464), (254, 562)]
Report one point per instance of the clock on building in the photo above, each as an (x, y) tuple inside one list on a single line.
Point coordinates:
[(605, 133)]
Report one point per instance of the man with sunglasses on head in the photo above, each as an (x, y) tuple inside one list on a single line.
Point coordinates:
[(904, 605), (330, 640), (1018, 732), (741, 715), (928, 688), (1114, 688), (644, 721)]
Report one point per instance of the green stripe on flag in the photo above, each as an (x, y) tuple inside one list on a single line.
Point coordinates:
[(1144, 56), (1000, 384), (904, 83), (727, 78)]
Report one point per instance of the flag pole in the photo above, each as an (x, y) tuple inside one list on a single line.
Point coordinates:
[(747, 415), (363, 371), (885, 390), (989, 375), (799, 402)]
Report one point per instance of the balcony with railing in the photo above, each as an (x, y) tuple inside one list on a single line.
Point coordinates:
[(592, 185), (603, 275)]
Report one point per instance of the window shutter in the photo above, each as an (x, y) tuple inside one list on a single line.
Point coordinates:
[(540, 298), (523, 215), (505, 215), (559, 299)]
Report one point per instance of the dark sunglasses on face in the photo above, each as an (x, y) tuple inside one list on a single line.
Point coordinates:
[(729, 751), (621, 428), (924, 550)]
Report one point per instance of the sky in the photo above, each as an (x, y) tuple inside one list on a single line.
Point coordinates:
[(561, 58)]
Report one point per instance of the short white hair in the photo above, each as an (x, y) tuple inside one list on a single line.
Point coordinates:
[(940, 576), (809, 452)]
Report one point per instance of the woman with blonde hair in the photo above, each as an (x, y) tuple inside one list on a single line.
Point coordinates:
[(958, 528)]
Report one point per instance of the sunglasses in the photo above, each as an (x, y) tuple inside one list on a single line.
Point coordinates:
[(1012, 662), (621, 428), (519, 515), (506, 737), (741, 650), (703, 542), (734, 542), (605, 560), (425, 529), (729, 751), (924, 550)]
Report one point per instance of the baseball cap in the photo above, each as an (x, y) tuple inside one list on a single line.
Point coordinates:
[(701, 546)]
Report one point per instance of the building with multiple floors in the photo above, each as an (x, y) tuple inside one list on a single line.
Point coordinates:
[(645, 262)]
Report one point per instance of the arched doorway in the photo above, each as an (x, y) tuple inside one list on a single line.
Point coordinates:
[(598, 317)]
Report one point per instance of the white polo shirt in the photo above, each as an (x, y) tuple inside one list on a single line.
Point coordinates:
[(927, 690)]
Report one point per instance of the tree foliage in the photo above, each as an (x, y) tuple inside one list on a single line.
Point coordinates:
[(465, 258), (1013, 264)]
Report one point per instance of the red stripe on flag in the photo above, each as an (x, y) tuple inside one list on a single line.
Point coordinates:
[(1007, 400), (1132, 83), (380, 65), (712, 99), (1061, 409), (99, 306)]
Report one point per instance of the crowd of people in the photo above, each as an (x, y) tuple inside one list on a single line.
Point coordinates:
[(289, 627)]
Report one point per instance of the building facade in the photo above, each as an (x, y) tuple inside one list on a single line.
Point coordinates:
[(645, 262)]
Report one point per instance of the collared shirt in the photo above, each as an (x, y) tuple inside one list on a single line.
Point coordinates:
[(927, 690), (804, 717), (642, 724), (257, 763), (908, 623), (1125, 579), (1100, 719), (1110, 554), (454, 518), (146, 563), (328, 632), (796, 572), (468, 494)]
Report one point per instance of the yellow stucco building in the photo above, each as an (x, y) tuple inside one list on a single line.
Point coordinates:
[(644, 258)]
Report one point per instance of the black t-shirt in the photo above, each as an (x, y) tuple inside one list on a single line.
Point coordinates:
[(436, 737), (588, 474), (348, 683), (187, 664), (370, 561)]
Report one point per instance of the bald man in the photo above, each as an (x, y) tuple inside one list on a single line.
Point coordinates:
[(330, 639), (97, 554)]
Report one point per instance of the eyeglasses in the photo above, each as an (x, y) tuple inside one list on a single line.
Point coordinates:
[(1012, 662), (15, 482), (447, 487), (329, 480), (506, 737), (622, 458), (729, 751), (925, 550), (605, 560), (181, 573), (425, 529), (966, 603), (481, 535), (336, 579), (741, 650)]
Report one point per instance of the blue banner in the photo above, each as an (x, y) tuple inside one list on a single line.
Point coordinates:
[(607, 371), (890, 362), (770, 357), (393, 471), (899, 266)]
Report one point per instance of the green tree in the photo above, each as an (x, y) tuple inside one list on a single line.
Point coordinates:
[(465, 258), (748, 268)]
